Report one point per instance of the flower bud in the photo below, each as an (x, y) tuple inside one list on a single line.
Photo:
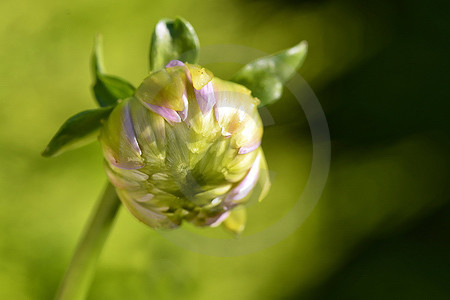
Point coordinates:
[(186, 146)]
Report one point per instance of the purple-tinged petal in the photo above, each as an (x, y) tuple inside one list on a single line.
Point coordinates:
[(184, 113), (249, 148), (129, 129), (236, 112), (178, 63), (198, 76), (247, 184), (206, 98), (166, 113), (164, 88), (118, 139), (119, 178), (125, 166), (218, 220), (144, 214), (175, 63)]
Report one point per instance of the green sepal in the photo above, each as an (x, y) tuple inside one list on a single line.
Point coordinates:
[(265, 76), (236, 221), (107, 89), (77, 131), (173, 39)]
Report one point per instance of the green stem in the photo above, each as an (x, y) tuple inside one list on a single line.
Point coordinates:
[(80, 273)]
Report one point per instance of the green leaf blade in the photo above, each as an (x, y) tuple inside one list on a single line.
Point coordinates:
[(77, 131), (173, 39), (107, 89), (265, 76)]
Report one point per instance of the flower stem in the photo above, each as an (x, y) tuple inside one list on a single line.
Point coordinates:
[(80, 273)]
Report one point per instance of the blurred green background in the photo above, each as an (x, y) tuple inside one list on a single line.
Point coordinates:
[(381, 229)]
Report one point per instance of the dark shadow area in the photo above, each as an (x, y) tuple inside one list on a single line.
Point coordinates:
[(404, 89), (401, 92), (409, 264)]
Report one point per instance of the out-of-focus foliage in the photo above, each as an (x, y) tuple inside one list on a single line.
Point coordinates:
[(381, 73)]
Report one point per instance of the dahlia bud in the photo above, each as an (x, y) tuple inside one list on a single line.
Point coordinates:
[(186, 146)]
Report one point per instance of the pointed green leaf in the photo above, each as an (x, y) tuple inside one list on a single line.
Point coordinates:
[(77, 131), (107, 89), (236, 220), (173, 39), (265, 76)]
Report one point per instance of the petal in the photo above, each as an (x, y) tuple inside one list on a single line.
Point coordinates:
[(203, 124), (250, 147), (263, 185), (184, 113), (199, 76), (218, 220), (118, 139), (201, 81), (166, 113), (205, 197), (206, 98), (150, 132), (236, 112), (236, 220), (175, 63), (237, 115), (209, 218), (125, 179), (247, 184), (238, 166), (164, 88), (259, 192), (143, 213)]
